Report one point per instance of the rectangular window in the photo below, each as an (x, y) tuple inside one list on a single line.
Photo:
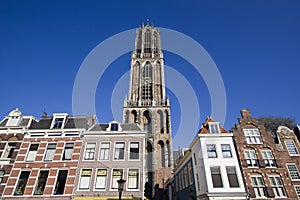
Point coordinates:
[(22, 182), (297, 188), (85, 178), (133, 179), (32, 152), (1, 175), (252, 136), (50, 152), (195, 160), (258, 186), (293, 170), (10, 147), (68, 151), (89, 151), (290, 145), (114, 127), (119, 151), (101, 179), (211, 150), (117, 174), (251, 158), (58, 122), (198, 182), (104, 151), (134, 150), (41, 183), (268, 158), (232, 177), (190, 171), (226, 151), (61, 182), (214, 127), (216, 177), (277, 186)]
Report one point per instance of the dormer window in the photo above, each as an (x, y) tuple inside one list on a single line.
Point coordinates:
[(58, 121), (114, 126), (214, 127), (14, 118)]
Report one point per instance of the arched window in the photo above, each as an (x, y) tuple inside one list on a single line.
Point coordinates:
[(134, 116), (139, 43), (155, 42), (147, 47), (162, 153), (147, 121), (167, 122), (160, 117), (169, 153), (147, 82)]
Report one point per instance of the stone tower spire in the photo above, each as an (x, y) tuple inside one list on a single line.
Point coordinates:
[(148, 105)]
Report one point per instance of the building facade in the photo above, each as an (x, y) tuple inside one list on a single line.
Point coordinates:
[(12, 130), (147, 104), (270, 169), (111, 152), (216, 168), (46, 164)]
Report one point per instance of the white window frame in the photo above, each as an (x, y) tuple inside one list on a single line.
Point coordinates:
[(26, 159), (79, 182), (278, 188), (297, 190), (57, 116), (288, 147), (106, 180), (109, 150), (268, 158), (115, 144), (253, 136), (220, 174), (139, 148), (6, 147), (296, 171), (224, 151), (251, 161), (111, 178), (214, 127), (138, 180), (64, 150), (261, 187), (208, 151), (85, 148), (46, 150)]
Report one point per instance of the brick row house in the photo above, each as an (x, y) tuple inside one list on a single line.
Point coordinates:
[(12, 129), (269, 161), (47, 161)]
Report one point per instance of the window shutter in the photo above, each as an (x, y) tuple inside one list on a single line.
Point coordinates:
[(251, 192), (270, 192), (261, 163)]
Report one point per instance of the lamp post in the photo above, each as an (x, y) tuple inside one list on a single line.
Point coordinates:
[(121, 183)]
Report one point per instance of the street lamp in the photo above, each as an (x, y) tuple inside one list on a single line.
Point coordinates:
[(121, 183)]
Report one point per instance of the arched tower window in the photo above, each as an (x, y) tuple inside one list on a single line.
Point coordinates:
[(147, 47), (149, 161), (155, 43), (139, 43), (160, 121), (147, 121), (167, 122), (127, 117), (134, 116), (162, 153), (169, 152), (147, 82)]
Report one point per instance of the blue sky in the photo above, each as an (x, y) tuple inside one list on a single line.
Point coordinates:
[(255, 45)]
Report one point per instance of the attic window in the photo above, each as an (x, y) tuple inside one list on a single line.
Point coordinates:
[(114, 127), (58, 121), (214, 127)]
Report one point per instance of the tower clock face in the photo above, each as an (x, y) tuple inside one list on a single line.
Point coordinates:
[(146, 80)]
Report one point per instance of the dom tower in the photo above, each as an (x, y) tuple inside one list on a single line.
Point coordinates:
[(148, 105)]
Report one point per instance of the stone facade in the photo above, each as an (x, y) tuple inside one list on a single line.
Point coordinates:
[(148, 105)]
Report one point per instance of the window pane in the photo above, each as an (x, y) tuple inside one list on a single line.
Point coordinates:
[(232, 177), (117, 175), (119, 151), (134, 150), (10, 147), (22, 182), (32, 152), (226, 151), (133, 179), (68, 151), (61, 182), (216, 177), (211, 150), (290, 145), (50, 152), (41, 183), (101, 179), (90, 151), (293, 170), (85, 179), (104, 151)]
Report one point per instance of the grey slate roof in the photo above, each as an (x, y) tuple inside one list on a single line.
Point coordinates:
[(125, 127), (71, 122)]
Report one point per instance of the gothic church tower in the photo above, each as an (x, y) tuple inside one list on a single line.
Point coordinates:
[(148, 105)]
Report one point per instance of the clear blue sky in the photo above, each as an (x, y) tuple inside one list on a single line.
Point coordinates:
[(255, 45)]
